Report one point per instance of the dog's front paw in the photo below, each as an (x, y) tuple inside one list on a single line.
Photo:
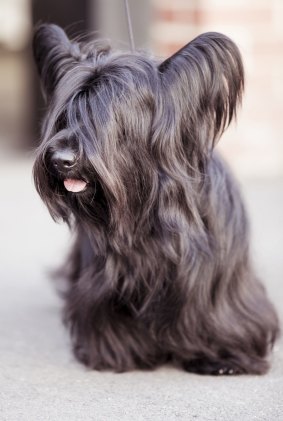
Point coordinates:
[(215, 368), (227, 370)]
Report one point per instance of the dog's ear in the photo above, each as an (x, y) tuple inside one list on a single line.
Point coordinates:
[(54, 54), (204, 80)]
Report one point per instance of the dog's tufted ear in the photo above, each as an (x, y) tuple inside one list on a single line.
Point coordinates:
[(54, 54), (204, 80)]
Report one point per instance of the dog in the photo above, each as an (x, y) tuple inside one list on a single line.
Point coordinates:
[(160, 269)]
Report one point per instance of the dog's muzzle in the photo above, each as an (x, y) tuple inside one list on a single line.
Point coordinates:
[(65, 163)]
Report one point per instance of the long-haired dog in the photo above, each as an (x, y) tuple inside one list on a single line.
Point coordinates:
[(160, 270)]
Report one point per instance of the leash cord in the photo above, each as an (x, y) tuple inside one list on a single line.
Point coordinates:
[(130, 28)]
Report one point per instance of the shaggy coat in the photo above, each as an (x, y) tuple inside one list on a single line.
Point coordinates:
[(160, 269)]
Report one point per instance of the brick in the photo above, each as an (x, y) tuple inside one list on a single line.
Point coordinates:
[(183, 16), (173, 32)]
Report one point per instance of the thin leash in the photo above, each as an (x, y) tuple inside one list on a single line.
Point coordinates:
[(130, 28)]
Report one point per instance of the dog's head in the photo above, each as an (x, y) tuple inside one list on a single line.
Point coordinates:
[(124, 134)]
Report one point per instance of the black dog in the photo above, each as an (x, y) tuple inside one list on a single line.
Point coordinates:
[(160, 270)]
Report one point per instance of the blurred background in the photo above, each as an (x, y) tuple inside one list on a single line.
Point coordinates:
[(34, 349), (254, 146)]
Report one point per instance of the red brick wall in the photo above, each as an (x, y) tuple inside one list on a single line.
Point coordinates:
[(255, 145)]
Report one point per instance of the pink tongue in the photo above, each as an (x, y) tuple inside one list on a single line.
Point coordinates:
[(74, 185)]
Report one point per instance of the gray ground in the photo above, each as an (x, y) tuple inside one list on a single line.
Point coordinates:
[(39, 379)]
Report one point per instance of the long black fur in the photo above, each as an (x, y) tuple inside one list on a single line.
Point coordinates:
[(160, 269)]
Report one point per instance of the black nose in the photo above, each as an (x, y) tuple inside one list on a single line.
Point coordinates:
[(63, 159)]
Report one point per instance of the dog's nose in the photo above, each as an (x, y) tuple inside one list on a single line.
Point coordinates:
[(63, 159)]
